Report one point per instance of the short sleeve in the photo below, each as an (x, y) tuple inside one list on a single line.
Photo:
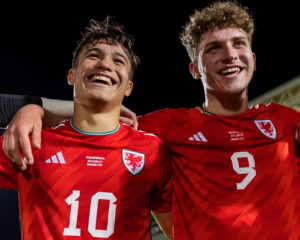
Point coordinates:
[(157, 122)]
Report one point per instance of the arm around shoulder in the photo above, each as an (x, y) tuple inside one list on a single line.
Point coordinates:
[(27, 121)]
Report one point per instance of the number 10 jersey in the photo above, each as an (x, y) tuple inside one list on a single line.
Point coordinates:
[(91, 185)]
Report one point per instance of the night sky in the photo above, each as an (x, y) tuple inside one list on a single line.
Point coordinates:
[(37, 42)]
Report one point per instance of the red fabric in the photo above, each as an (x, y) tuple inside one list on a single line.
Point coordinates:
[(95, 180), (234, 177)]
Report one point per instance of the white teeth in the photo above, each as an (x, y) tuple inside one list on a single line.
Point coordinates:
[(102, 78), (230, 70)]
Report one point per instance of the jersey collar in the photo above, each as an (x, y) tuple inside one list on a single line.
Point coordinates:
[(94, 133)]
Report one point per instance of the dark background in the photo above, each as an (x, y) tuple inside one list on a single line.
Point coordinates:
[(37, 41)]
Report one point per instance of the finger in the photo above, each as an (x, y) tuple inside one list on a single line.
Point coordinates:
[(26, 148), (130, 115), (23, 164), (125, 112), (12, 151), (36, 135), (10, 146), (135, 124), (127, 121), (4, 148)]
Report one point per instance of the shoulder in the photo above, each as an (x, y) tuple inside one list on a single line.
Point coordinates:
[(163, 122), (62, 128), (166, 115), (140, 136), (275, 109), (63, 125), (167, 112), (283, 115)]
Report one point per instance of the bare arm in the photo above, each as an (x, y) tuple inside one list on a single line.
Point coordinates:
[(164, 219), (27, 121), (57, 109), (60, 109)]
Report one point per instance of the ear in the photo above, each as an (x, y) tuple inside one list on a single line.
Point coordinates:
[(254, 59), (194, 70), (128, 88), (71, 77)]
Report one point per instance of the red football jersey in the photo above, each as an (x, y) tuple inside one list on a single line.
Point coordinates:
[(91, 186), (234, 177)]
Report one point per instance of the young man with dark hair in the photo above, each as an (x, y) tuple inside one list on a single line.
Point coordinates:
[(95, 178), (235, 172)]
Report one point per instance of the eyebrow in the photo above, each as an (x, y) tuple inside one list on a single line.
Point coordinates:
[(98, 50), (218, 42), (121, 55)]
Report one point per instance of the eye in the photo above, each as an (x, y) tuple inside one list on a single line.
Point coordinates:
[(119, 61), (93, 55), (213, 48), (239, 43)]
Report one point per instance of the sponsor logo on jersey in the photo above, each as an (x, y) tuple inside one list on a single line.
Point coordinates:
[(266, 127), (133, 161), (58, 158), (94, 161), (236, 135), (199, 137)]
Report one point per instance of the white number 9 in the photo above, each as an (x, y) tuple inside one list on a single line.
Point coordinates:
[(250, 171)]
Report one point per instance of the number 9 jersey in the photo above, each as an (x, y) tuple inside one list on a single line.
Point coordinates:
[(234, 177), (91, 185)]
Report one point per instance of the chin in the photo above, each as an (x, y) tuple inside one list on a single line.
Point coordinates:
[(235, 91)]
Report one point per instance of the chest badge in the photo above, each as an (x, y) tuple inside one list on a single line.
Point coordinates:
[(133, 161), (267, 128)]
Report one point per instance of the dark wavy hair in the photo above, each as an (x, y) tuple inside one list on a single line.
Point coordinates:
[(110, 32)]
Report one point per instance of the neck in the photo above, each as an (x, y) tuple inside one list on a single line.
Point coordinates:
[(226, 105), (89, 119)]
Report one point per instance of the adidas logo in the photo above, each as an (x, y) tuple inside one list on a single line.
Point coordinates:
[(199, 137), (57, 158)]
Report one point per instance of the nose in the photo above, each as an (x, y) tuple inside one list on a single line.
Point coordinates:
[(105, 63), (229, 53)]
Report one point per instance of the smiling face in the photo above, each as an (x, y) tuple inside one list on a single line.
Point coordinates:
[(102, 74), (225, 62)]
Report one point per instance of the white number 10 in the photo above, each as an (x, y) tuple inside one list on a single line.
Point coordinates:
[(72, 230), (244, 170)]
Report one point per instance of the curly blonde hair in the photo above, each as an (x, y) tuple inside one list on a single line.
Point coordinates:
[(216, 16)]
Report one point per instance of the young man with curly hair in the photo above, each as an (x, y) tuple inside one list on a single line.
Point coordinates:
[(235, 168), (235, 173), (94, 178)]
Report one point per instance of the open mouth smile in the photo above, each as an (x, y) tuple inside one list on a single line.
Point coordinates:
[(102, 79), (231, 71)]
